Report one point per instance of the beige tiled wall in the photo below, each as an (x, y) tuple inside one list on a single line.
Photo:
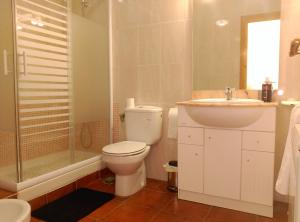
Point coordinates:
[(7, 148), (290, 66), (152, 63)]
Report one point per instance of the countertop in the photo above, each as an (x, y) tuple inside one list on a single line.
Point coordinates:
[(223, 104)]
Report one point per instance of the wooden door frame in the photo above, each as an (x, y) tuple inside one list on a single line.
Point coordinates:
[(245, 20)]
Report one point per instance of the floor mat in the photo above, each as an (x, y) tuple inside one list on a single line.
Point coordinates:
[(72, 207)]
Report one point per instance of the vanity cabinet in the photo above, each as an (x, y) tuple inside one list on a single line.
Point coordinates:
[(227, 167)]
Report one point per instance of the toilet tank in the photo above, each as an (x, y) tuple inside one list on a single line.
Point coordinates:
[(143, 124)]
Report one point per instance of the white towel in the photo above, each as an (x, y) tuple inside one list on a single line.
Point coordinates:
[(287, 173), (172, 123)]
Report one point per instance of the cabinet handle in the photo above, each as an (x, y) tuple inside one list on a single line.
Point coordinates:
[(5, 63)]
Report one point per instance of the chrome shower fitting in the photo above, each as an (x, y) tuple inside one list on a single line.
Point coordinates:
[(84, 3), (295, 47)]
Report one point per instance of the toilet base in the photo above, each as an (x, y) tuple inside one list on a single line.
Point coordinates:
[(130, 184)]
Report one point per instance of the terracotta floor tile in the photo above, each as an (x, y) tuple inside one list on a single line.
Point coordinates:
[(105, 209), (100, 186), (131, 213), (167, 217), (35, 220), (87, 219), (156, 185), (38, 202), (82, 182), (218, 214), (187, 209), (54, 195), (155, 204), (154, 199), (280, 213)]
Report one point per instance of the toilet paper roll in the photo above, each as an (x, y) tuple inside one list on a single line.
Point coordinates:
[(172, 123), (130, 103)]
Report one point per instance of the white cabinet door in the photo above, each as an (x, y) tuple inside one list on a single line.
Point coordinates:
[(190, 168), (222, 168), (257, 177)]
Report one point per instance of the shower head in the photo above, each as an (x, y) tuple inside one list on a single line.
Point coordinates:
[(295, 47), (84, 3)]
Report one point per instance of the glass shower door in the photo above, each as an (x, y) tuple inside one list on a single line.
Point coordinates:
[(8, 142), (62, 50), (44, 85)]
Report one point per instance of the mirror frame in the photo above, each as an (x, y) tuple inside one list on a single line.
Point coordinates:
[(244, 41)]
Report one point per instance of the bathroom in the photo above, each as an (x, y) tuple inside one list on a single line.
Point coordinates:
[(148, 51)]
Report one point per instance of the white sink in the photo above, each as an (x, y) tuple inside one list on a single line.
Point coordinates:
[(14, 210), (220, 112)]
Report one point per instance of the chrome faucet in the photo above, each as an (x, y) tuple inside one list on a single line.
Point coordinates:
[(228, 93)]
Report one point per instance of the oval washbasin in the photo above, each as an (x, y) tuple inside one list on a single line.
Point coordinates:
[(14, 210), (219, 112)]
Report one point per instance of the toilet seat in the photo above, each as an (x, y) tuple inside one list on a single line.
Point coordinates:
[(125, 148)]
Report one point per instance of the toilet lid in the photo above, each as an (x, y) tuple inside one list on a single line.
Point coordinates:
[(124, 148)]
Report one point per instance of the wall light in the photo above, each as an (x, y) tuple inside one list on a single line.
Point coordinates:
[(222, 22), (19, 27), (37, 22), (280, 92)]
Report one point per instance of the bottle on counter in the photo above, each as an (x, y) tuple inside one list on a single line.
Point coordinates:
[(267, 90)]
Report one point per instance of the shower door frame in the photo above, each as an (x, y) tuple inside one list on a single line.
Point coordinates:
[(19, 162), (19, 166)]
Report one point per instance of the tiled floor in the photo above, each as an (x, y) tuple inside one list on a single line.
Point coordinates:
[(154, 203)]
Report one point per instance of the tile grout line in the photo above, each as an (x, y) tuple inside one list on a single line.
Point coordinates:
[(115, 208), (207, 214), (160, 210)]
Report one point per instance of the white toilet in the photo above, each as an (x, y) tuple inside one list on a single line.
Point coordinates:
[(126, 159)]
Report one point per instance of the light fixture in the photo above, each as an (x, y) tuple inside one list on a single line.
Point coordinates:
[(37, 22), (40, 24), (19, 27), (222, 22), (34, 22), (280, 92)]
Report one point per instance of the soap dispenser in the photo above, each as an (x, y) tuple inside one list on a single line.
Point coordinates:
[(266, 92)]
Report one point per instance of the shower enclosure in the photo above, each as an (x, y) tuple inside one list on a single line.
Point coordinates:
[(54, 85)]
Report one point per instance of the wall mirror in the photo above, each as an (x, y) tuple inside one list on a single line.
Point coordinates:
[(235, 43)]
